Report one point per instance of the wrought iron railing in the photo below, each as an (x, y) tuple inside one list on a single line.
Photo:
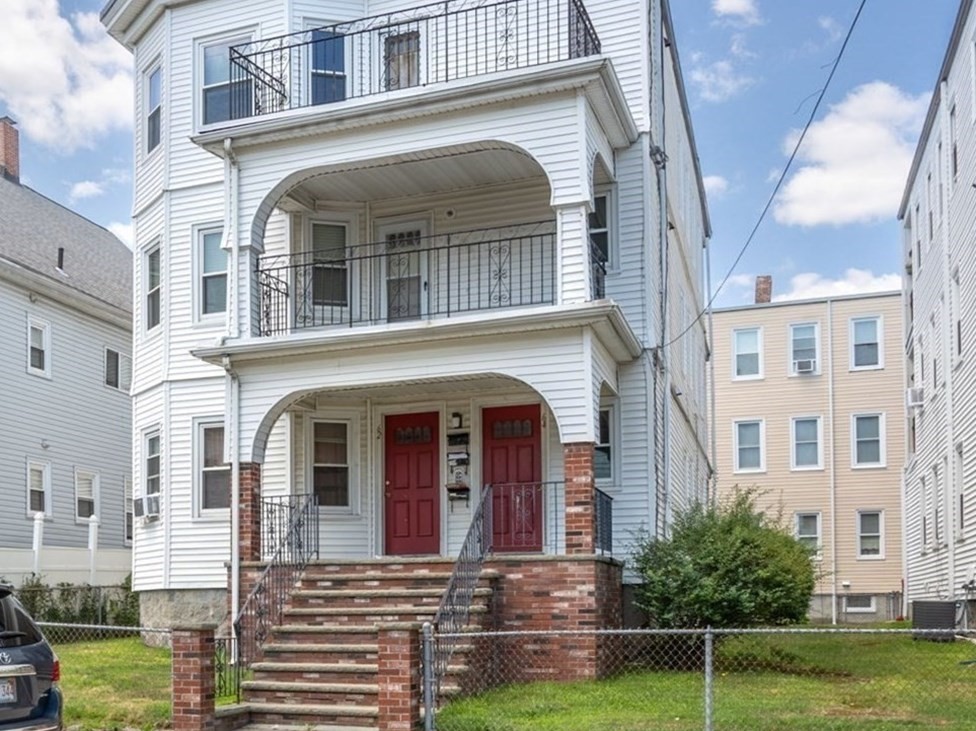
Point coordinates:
[(528, 517), (228, 669), (263, 607), (276, 517), (430, 44), (409, 277), (603, 505)]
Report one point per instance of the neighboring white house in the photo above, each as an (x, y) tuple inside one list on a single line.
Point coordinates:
[(65, 419), (938, 214), (387, 254)]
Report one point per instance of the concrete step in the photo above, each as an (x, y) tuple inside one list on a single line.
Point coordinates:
[(351, 652), (308, 692), (316, 672), (351, 634), (311, 715), (303, 727), (344, 616)]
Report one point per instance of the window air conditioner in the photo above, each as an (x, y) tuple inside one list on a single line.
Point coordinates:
[(807, 365), (146, 507), (915, 397)]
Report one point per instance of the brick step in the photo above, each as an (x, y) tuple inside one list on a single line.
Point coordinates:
[(303, 727), (325, 672), (351, 634), (341, 616), (356, 653), (308, 715), (317, 693), (357, 598)]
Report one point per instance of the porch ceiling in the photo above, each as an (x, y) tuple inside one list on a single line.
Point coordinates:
[(417, 174), (427, 388)]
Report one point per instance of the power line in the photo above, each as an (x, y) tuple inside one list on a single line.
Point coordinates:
[(782, 177)]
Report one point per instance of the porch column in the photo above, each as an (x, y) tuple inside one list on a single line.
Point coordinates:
[(573, 247), (250, 545), (193, 677), (580, 508), (399, 674)]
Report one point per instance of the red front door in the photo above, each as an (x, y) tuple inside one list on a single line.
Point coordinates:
[(412, 484), (512, 456)]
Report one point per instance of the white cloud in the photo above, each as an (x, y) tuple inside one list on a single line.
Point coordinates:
[(124, 231), (738, 47), (719, 81), (745, 12), (831, 27), (85, 189), (855, 160), (66, 82), (811, 285), (715, 185)]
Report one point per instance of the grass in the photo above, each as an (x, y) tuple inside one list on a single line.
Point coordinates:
[(115, 684), (762, 683)]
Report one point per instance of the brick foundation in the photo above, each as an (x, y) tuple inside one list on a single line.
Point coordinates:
[(250, 525), (399, 678), (580, 512), (193, 678)]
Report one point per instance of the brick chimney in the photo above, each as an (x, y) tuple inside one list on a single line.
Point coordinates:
[(9, 150), (764, 289)]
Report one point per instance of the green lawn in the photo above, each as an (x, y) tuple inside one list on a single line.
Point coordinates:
[(768, 683), (114, 684)]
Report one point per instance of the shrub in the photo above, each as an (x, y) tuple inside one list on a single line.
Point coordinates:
[(724, 566)]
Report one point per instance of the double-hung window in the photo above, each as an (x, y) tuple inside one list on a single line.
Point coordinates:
[(603, 452), (38, 348), (154, 108), (866, 343), (214, 472), (127, 514), (749, 446), (330, 463), (599, 228), (747, 353), (38, 488), (226, 93), (806, 443), (328, 66), (870, 534), (153, 278), (151, 475), (212, 265), (807, 528), (86, 494), (867, 443), (803, 348), (118, 370), (329, 274)]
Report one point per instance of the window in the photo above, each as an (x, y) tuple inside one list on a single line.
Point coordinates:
[(956, 304), (214, 471), (930, 201), (806, 443), (38, 348), (747, 353), (859, 603), (222, 97), (960, 486), (599, 227), (118, 370), (933, 323), (329, 277), (868, 442), (38, 488), (808, 531), (328, 67), (954, 150), (603, 452), (865, 343), (870, 542), (803, 348), (153, 285), (212, 263), (330, 463), (924, 490), (86, 494), (154, 106), (401, 60), (127, 515), (151, 471), (748, 446)]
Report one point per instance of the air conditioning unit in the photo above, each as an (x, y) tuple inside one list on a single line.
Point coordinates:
[(146, 507), (807, 365), (915, 397)]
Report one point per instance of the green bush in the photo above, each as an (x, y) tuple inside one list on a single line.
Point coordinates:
[(85, 604), (724, 566)]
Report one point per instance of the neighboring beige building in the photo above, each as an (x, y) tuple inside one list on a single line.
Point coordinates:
[(808, 408)]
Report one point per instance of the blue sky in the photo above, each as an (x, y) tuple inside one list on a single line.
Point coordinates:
[(752, 70)]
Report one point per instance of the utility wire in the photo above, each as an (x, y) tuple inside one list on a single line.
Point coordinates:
[(782, 177)]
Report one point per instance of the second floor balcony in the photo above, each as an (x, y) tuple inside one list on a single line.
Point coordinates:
[(415, 47)]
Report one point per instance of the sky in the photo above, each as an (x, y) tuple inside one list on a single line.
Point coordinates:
[(752, 68)]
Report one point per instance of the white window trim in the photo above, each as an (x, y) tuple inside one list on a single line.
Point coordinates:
[(146, 328), (351, 418), (881, 536), (211, 319), (45, 327), (790, 371), (46, 482), (612, 407), (95, 494), (762, 445), (759, 340), (882, 437), (880, 335), (128, 508), (820, 444), (199, 424), (609, 191), (860, 610), (155, 66), (310, 24), (123, 359), (154, 431), (231, 37)]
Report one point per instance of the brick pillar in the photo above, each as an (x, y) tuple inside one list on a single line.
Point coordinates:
[(250, 511), (193, 678), (580, 508), (399, 677)]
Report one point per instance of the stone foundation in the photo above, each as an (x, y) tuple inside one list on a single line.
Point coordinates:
[(170, 607)]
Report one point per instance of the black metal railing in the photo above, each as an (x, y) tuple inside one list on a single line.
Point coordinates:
[(528, 517), (430, 44), (409, 277), (276, 518), (603, 505), (455, 606), (263, 607), (228, 670)]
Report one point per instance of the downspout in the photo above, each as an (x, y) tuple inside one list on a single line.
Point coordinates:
[(710, 341), (833, 463), (230, 237), (233, 396), (660, 158)]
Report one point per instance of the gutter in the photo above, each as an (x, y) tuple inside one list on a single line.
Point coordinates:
[(232, 394)]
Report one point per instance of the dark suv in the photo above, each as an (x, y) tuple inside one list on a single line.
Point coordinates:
[(30, 699)]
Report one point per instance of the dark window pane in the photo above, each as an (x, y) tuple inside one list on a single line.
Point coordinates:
[(601, 463), (214, 294), (37, 358), (328, 88), (216, 104), (111, 368), (86, 508), (331, 486), (216, 489), (153, 130), (37, 501), (328, 51)]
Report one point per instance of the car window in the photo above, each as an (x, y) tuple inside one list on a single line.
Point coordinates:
[(16, 627)]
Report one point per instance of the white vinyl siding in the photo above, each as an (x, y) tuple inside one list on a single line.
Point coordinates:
[(867, 343), (747, 360), (39, 488), (38, 347), (86, 495), (749, 445), (806, 437)]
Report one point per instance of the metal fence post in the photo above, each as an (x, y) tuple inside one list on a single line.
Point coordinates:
[(427, 652), (709, 677)]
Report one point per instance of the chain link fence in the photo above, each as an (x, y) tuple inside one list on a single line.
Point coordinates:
[(721, 680)]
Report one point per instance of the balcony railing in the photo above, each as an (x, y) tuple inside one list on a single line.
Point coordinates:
[(419, 46), (408, 277)]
